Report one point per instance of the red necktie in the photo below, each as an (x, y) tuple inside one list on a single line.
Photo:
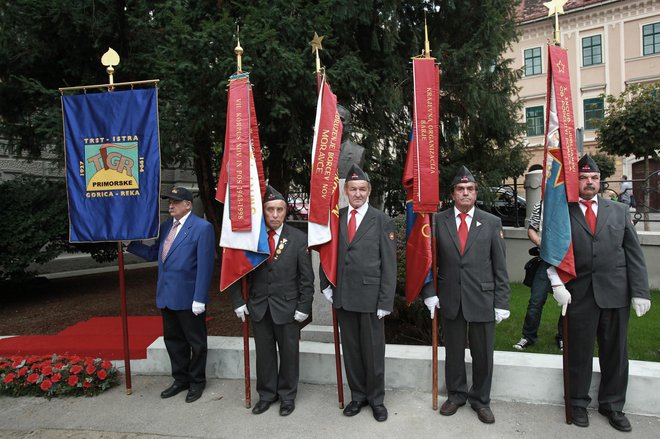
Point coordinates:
[(462, 231), (589, 215), (271, 243), (352, 225)]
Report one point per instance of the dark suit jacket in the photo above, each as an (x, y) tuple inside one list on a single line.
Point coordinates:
[(366, 267), (476, 281), (611, 258), (185, 276), (284, 285)]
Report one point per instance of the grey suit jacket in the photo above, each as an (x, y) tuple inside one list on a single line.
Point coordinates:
[(611, 258), (366, 267), (476, 281), (284, 285)]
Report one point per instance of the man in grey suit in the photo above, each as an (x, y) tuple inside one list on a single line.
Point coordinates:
[(473, 294), (610, 275), (366, 283), (280, 296)]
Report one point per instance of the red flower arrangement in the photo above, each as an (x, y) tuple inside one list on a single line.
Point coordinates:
[(56, 375)]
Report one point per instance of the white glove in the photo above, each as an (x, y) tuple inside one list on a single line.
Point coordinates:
[(300, 316), (432, 303), (198, 308), (241, 312), (501, 314), (641, 305), (562, 296), (382, 313), (327, 293)]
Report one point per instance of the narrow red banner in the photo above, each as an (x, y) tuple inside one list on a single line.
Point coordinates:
[(558, 64), (426, 186), (325, 159), (238, 126)]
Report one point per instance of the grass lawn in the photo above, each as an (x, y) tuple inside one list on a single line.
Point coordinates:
[(643, 333)]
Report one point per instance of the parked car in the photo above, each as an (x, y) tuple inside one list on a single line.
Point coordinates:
[(297, 206), (500, 202)]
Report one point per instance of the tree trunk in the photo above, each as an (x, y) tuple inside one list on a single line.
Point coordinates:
[(205, 180), (647, 193)]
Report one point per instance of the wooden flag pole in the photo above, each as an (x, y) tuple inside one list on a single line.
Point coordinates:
[(556, 7), (238, 50), (124, 318), (316, 46), (434, 268), (246, 348), (111, 59)]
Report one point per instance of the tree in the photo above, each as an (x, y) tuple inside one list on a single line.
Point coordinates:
[(46, 44), (631, 126)]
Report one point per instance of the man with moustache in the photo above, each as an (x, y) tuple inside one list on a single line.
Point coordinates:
[(473, 294), (185, 251), (280, 296), (364, 294), (610, 277)]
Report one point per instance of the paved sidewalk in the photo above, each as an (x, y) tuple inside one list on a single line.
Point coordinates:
[(220, 413)]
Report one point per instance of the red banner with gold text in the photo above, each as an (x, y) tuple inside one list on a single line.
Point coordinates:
[(426, 187), (238, 127)]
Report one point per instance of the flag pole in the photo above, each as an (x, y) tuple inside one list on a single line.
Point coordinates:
[(111, 59), (434, 265), (556, 7), (316, 46), (238, 50)]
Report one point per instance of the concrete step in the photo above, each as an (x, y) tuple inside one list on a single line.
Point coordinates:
[(518, 376)]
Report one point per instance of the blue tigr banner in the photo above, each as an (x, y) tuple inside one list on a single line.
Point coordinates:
[(112, 159)]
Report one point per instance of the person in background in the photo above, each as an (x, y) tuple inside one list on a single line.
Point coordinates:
[(626, 192), (539, 290)]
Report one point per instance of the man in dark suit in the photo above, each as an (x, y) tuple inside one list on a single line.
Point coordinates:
[(610, 274), (473, 294), (185, 251), (280, 296), (366, 283)]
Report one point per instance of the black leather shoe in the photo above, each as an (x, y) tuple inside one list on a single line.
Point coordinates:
[(287, 407), (354, 407), (174, 389), (485, 414), (580, 417), (380, 413), (261, 406), (448, 408), (194, 393), (617, 420)]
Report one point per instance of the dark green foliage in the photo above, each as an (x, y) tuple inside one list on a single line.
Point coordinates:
[(605, 163), (35, 227), (46, 44), (632, 122)]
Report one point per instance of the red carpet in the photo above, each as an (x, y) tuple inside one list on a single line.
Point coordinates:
[(97, 337)]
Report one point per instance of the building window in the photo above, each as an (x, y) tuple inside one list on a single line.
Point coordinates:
[(534, 118), (593, 113), (533, 61), (592, 51), (651, 38)]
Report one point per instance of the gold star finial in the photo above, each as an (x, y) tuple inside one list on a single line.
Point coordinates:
[(316, 43), (555, 7)]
